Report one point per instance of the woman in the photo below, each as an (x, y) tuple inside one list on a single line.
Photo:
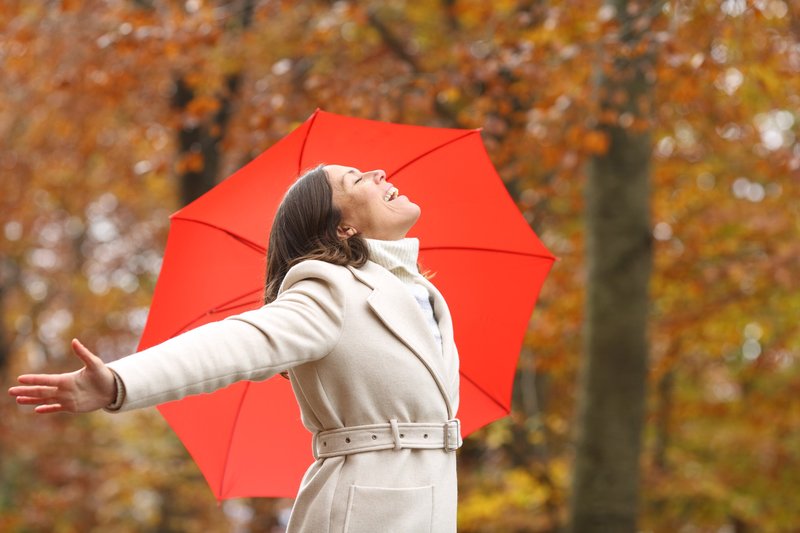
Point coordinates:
[(367, 343)]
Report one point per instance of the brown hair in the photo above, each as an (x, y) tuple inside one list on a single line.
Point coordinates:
[(305, 228)]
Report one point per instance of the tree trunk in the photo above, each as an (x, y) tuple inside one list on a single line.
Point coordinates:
[(619, 256), (9, 277), (203, 139), (5, 348)]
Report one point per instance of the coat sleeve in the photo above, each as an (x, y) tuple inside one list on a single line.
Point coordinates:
[(303, 324)]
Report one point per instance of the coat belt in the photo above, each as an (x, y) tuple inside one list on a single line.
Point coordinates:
[(393, 435)]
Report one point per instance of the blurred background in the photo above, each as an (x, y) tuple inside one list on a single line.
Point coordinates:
[(115, 113)]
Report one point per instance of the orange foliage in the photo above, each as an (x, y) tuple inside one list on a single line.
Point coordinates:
[(89, 143)]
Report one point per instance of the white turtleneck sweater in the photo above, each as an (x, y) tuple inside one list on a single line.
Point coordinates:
[(400, 258)]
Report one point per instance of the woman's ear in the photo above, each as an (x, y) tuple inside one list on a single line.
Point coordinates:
[(345, 232)]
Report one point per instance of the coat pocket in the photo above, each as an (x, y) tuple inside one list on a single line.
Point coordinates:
[(371, 509)]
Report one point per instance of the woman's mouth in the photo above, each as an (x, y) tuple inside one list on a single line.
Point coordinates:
[(391, 194)]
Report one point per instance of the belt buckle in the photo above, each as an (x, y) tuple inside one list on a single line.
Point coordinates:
[(451, 442)]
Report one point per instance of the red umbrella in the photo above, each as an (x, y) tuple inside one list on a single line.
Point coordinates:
[(247, 439)]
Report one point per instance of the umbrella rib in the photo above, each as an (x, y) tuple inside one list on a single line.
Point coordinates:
[(305, 140), (250, 244), (230, 441), (424, 154), (228, 308), (475, 384), (224, 306), (481, 249)]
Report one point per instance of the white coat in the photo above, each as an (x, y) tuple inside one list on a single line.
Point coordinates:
[(358, 352)]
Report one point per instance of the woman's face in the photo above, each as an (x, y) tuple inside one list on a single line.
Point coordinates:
[(369, 204)]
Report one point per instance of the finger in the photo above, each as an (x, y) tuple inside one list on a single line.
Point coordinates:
[(34, 392), (30, 400), (88, 358), (51, 380), (50, 408)]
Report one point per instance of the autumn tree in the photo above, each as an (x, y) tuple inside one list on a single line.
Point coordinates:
[(605, 489), (91, 156)]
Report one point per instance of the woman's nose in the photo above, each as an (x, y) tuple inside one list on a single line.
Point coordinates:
[(378, 175)]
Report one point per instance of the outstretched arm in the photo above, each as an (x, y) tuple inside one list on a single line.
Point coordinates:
[(88, 389), (301, 326)]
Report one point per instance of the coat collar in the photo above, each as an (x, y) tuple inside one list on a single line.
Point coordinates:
[(400, 313)]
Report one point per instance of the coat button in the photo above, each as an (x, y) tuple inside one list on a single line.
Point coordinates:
[(374, 437), (347, 440)]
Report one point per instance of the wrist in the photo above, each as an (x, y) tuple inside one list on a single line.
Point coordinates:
[(118, 393)]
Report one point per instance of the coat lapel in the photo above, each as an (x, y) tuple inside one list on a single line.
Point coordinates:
[(400, 313)]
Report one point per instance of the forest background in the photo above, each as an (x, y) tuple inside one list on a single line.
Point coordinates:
[(114, 113)]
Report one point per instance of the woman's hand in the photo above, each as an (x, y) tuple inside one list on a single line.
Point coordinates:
[(88, 389)]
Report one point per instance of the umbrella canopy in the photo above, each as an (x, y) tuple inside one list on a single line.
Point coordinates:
[(247, 439)]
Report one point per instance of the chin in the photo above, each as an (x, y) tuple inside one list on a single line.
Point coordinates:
[(413, 221), (417, 213)]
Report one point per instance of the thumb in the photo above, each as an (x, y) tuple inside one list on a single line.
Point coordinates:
[(89, 359)]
